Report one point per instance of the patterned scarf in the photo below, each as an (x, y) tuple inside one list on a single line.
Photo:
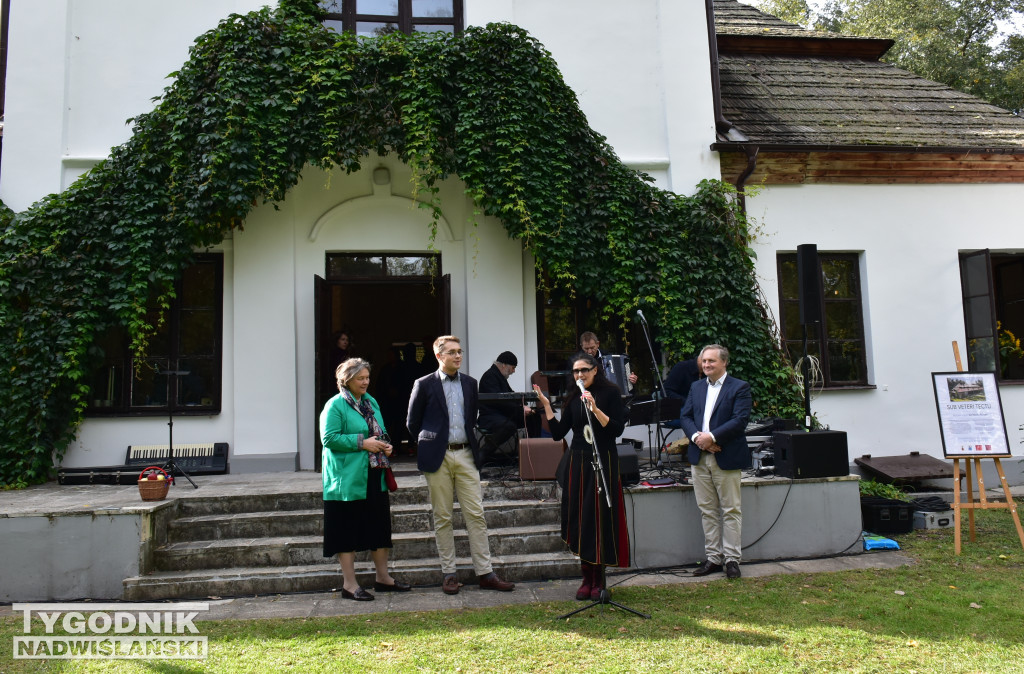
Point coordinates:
[(377, 459)]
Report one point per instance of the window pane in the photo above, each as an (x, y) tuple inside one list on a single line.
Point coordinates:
[(160, 341), (333, 6), (979, 317), (791, 320), (197, 333), (789, 283), (198, 286), (149, 387), (381, 7), (433, 8), (336, 26), (361, 266), (842, 320), (198, 386), (413, 265), (981, 355), (432, 28), (838, 278), (374, 29), (974, 275), (845, 361)]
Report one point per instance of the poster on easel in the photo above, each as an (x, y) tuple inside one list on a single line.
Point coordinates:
[(970, 414)]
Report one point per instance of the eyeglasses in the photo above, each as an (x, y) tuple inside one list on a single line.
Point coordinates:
[(584, 370), (457, 352)]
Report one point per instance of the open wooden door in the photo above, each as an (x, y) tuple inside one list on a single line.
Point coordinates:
[(444, 318), (321, 347)]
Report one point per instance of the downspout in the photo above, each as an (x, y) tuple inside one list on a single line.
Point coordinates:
[(751, 152)]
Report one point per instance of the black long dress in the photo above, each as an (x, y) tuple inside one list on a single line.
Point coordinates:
[(592, 531)]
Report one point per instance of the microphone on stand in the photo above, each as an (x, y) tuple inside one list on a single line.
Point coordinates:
[(640, 313)]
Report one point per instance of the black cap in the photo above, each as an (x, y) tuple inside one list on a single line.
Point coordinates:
[(508, 358)]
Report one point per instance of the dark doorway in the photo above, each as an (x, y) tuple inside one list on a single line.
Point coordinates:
[(391, 320)]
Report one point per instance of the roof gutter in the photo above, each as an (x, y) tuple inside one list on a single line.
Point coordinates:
[(884, 149)]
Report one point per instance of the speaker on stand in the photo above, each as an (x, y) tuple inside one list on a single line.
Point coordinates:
[(808, 277)]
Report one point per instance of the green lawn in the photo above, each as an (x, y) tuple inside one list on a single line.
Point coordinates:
[(942, 614)]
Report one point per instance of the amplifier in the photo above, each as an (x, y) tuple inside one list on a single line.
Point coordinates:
[(629, 464), (539, 458), (194, 459), (803, 454)]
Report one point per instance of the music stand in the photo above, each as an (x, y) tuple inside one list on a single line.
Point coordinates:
[(170, 465), (654, 412)]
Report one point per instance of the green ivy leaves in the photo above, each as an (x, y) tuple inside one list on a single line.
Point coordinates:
[(267, 93)]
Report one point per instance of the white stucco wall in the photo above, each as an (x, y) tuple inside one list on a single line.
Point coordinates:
[(641, 73), (77, 70), (908, 237)]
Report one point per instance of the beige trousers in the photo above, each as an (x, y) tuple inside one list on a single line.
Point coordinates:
[(458, 476), (718, 497)]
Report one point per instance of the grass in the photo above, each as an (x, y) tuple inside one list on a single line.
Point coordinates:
[(941, 614)]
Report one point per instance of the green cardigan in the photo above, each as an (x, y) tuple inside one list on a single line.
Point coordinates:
[(345, 466)]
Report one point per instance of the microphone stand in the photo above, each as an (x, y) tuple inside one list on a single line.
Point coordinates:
[(170, 465), (657, 398), (605, 596)]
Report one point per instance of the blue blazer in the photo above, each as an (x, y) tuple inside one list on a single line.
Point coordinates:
[(428, 418), (728, 421)]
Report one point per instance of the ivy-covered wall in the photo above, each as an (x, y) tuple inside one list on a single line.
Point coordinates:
[(265, 95)]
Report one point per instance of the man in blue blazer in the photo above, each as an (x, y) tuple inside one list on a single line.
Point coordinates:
[(442, 411), (715, 419)]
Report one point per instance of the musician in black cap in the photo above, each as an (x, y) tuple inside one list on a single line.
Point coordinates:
[(500, 419)]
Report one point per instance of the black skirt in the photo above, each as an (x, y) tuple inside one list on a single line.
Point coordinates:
[(353, 526)]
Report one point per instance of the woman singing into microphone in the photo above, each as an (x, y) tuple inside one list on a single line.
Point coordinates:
[(592, 530)]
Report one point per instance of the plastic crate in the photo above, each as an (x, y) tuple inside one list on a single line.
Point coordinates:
[(886, 516)]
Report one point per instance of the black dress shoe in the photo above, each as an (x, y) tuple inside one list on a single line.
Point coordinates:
[(358, 595), (705, 568), (397, 586), (732, 570)]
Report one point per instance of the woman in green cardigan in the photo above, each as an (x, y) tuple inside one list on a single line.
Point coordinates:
[(357, 512)]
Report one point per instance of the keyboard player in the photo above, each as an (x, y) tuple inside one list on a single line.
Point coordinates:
[(499, 419)]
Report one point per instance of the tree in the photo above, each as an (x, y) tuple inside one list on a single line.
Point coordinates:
[(973, 46)]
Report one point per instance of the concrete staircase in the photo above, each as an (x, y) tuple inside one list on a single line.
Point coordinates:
[(272, 543)]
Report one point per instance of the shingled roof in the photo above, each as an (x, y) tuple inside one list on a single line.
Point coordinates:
[(835, 94)]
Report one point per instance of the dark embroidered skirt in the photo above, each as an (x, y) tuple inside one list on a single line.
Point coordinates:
[(353, 526), (592, 531)]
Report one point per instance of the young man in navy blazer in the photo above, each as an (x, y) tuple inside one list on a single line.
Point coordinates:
[(715, 419), (442, 411)]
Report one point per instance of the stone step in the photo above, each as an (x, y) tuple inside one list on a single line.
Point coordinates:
[(404, 518), (285, 551), (241, 581), (313, 499)]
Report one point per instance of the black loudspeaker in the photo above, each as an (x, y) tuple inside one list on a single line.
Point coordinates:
[(809, 281), (803, 454), (629, 464)]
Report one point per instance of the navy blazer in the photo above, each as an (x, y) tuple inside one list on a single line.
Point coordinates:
[(728, 421), (428, 418)]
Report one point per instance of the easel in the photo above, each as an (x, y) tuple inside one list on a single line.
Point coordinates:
[(983, 503)]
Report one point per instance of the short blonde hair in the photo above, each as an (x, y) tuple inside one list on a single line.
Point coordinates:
[(348, 369), (442, 340)]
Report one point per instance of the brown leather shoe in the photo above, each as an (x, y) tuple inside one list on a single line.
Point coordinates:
[(450, 584), (492, 582), (706, 567)]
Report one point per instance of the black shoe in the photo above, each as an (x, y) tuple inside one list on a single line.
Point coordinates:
[(732, 570), (397, 586), (358, 595), (705, 568)]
